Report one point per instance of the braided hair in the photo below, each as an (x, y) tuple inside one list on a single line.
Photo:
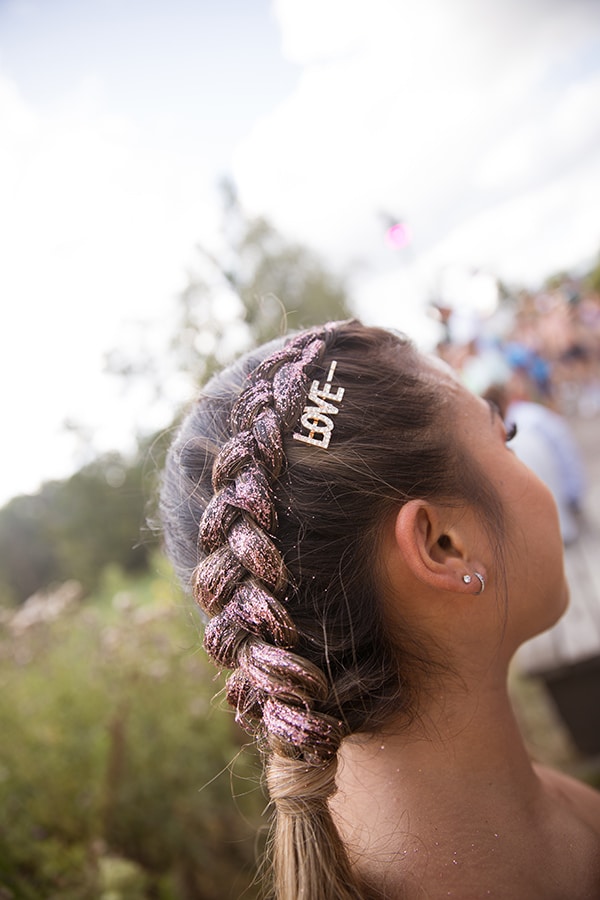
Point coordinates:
[(278, 541)]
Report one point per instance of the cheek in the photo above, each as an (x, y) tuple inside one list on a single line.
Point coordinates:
[(542, 577), (534, 528), (532, 502)]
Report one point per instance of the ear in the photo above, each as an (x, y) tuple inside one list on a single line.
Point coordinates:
[(437, 544)]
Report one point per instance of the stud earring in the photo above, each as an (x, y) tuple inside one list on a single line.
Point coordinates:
[(468, 579)]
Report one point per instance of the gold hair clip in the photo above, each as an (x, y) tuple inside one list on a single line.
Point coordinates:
[(316, 419)]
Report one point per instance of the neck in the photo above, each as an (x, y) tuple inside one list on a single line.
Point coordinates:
[(460, 770)]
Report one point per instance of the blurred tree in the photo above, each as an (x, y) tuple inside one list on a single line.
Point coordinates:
[(74, 528), (557, 280), (97, 517), (28, 555), (254, 287), (258, 287), (592, 279), (111, 752)]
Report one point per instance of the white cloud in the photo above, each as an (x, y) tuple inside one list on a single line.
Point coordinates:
[(314, 30), (95, 230), (440, 113), (548, 142), (533, 234)]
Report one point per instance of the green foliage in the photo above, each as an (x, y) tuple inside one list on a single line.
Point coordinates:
[(278, 285), (592, 279), (572, 283), (28, 558), (74, 528), (116, 765), (557, 280), (98, 516)]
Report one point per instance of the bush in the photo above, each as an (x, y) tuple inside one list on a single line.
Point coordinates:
[(116, 766), (76, 527)]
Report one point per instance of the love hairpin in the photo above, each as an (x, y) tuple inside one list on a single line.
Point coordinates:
[(317, 419)]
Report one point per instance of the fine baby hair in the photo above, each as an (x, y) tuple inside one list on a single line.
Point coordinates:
[(274, 496)]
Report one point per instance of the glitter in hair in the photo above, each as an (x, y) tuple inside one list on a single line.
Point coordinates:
[(241, 582), (215, 580), (316, 736), (257, 553), (253, 493), (267, 435), (264, 616), (237, 452)]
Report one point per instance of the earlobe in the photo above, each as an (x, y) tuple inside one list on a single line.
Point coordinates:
[(480, 580), (434, 550)]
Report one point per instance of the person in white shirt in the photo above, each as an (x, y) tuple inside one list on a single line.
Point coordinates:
[(545, 443)]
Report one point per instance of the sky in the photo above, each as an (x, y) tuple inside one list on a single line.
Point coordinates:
[(475, 122)]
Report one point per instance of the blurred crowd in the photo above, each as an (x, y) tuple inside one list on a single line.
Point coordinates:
[(537, 357), (553, 336)]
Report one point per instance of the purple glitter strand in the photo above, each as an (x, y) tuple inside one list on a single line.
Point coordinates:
[(252, 492), (215, 580), (222, 638), (268, 687), (242, 696), (316, 736), (217, 520), (262, 615), (249, 404), (267, 434), (236, 453), (251, 611), (290, 383), (293, 673), (257, 553), (291, 351)]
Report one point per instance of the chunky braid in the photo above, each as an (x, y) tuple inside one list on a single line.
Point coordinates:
[(241, 583)]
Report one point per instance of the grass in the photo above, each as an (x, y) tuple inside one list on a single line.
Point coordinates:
[(120, 776)]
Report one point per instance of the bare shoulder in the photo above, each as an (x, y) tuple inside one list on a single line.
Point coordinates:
[(580, 799), (572, 827)]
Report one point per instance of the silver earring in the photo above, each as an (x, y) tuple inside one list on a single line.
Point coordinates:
[(468, 579)]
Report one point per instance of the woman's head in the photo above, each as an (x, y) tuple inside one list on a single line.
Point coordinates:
[(260, 509), (275, 497)]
